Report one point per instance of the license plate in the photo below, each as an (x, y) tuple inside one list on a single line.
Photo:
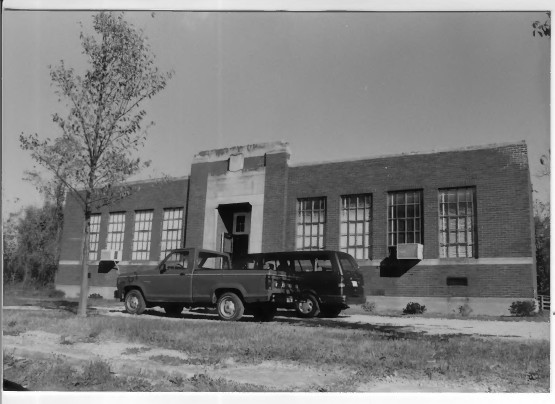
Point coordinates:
[(355, 283)]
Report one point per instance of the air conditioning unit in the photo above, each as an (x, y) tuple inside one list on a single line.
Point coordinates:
[(110, 255), (410, 251)]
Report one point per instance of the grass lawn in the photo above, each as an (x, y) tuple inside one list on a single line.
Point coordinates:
[(359, 355)]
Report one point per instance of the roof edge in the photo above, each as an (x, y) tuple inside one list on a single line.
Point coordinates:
[(417, 153)]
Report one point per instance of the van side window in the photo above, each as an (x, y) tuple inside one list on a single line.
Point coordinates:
[(304, 265), (323, 265), (285, 265)]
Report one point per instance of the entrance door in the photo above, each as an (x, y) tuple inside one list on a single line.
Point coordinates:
[(234, 228)]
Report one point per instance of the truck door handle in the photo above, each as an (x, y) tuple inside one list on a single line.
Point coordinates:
[(182, 274)]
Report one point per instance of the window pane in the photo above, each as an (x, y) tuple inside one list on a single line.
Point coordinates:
[(116, 229), (310, 223), (460, 239), (355, 224), (406, 208), (141, 236), (172, 228)]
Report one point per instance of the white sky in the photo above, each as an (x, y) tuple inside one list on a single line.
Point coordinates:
[(334, 85)]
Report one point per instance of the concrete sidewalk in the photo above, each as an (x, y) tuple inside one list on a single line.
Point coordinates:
[(490, 328)]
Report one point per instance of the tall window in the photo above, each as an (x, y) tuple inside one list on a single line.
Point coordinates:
[(311, 219), (355, 225), (94, 236), (404, 217), (116, 229), (172, 229), (456, 222), (141, 236)]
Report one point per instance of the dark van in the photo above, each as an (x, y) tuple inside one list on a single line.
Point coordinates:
[(328, 281)]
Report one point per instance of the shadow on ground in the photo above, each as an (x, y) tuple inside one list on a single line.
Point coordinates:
[(389, 332)]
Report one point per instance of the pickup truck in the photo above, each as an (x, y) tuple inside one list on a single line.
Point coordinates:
[(194, 277)]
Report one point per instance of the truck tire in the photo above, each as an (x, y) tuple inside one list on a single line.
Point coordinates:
[(307, 306), (134, 302), (230, 307), (173, 310), (264, 312)]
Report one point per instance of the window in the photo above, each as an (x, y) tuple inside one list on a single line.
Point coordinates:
[(314, 264), (141, 236), (311, 218), (172, 229), (94, 236), (208, 260), (456, 222), (355, 225), (176, 261), (116, 229), (404, 217), (241, 223)]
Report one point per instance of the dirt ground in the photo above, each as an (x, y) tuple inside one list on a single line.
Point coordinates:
[(166, 365)]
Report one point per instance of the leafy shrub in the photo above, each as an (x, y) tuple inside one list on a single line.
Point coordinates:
[(369, 307), (95, 296), (57, 294), (523, 308), (465, 310), (414, 308)]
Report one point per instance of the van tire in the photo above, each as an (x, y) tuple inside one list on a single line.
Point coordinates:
[(230, 307), (134, 302), (307, 306)]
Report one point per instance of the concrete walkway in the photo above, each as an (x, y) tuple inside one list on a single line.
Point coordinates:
[(504, 329)]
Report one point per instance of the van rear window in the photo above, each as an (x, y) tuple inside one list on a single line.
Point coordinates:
[(347, 264)]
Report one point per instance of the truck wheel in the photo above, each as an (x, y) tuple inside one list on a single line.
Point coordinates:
[(264, 312), (230, 307), (134, 302), (173, 310), (307, 306), (330, 312)]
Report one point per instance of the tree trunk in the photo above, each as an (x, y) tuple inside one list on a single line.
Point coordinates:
[(82, 311)]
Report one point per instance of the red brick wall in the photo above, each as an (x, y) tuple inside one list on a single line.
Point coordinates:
[(153, 195), (431, 280), (500, 176), (275, 202), (502, 181)]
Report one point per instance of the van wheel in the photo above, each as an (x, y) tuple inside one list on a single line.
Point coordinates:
[(230, 307), (265, 312), (307, 306), (173, 310), (330, 312), (134, 302)]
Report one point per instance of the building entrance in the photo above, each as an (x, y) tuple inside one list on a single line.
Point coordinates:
[(234, 228)]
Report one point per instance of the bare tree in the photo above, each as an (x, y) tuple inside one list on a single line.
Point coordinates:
[(102, 130)]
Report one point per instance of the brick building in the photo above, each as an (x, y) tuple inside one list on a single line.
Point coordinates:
[(440, 228)]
